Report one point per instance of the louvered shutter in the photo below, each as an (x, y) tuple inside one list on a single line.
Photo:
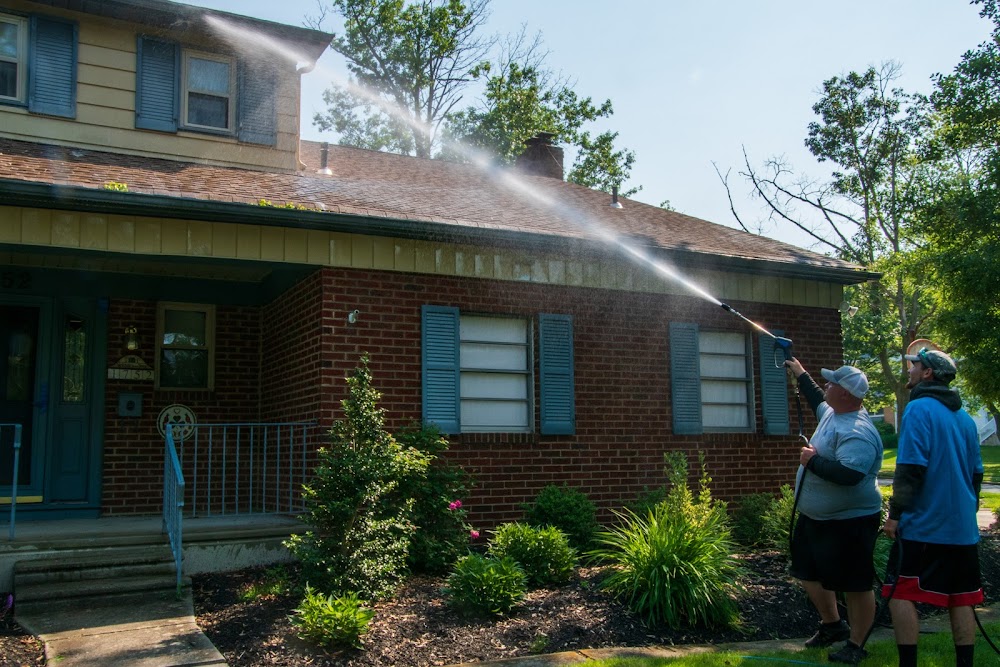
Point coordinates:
[(52, 67), (685, 378), (440, 367), (256, 89), (558, 406), (773, 388), (157, 85)]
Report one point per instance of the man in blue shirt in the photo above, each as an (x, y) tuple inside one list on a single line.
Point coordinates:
[(932, 513)]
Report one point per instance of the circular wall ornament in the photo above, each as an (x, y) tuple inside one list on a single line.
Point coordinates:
[(180, 417)]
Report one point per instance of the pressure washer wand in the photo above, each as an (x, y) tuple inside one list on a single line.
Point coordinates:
[(784, 344)]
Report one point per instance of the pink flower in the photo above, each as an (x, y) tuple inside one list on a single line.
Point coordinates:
[(473, 534), (454, 505)]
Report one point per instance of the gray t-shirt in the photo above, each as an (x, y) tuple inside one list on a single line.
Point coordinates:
[(851, 439)]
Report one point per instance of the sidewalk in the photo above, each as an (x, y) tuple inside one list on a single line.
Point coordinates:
[(153, 629)]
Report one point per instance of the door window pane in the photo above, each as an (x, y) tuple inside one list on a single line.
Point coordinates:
[(74, 360)]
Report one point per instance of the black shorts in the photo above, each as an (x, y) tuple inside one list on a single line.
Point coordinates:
[(944, 575), (837, 553)]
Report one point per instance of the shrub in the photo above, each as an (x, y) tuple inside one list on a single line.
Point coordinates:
[(329, 621), (569, 510), (647, 500), (748, 520), (890, 439), (442, 533), (673, 565), (485, 585), (777, 520), (359, 526), (543, 553), (273, 582)]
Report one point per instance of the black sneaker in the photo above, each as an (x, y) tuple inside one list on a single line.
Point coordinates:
[(829, 634), (850, 653)]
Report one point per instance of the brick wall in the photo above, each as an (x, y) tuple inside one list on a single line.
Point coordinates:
[(622, 384), (133, 447)]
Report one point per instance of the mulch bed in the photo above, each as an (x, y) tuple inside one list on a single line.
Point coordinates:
[(418, 628)]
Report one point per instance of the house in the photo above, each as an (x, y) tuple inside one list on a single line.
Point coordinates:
[(172, 254)]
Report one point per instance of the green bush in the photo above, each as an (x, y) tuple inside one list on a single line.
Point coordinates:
[(485, 585), (333, 622), (360, 527), (569, 510), (543, 553), (674, 565), (890, 439), (777, 520), (442, 533), (647, 500), (748, 520)]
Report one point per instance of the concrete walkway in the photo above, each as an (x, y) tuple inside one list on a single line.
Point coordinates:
[(154, 629)]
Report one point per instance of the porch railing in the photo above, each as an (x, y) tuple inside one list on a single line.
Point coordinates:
[(15, 469), (245, 468), (173, 501)]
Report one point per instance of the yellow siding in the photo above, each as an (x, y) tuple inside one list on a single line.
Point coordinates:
[(156, 237)]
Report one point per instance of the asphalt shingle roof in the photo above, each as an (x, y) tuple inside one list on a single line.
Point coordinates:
[(383, 185)]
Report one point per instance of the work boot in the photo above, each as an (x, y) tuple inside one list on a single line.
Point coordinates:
[(829, 634), (850, 653)]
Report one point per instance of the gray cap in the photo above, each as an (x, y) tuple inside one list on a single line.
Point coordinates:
[(941, 364), (850, 378)]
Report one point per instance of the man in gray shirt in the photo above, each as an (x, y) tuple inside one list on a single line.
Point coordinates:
[(839, 509)]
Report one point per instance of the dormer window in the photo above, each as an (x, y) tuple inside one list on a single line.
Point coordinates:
[(208, 91), (13, 58)]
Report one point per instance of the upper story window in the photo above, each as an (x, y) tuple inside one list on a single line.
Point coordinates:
[(179, 88), (478, 372), (38, 64), (208, 91), (185, 346), (13, 58)]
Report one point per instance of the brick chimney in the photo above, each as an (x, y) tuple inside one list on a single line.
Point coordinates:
[(541, 157)]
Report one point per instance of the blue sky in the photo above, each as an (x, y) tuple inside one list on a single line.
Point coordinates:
[(694, 82)]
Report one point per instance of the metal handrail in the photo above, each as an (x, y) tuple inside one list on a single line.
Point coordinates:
[(173, 501), (14, 474)]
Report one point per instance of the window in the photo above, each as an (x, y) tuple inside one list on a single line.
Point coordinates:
[(74, 360), (185, 346), (207, 91), (13, 58), (478, 372), (711, 382), (724, 369), (180, 88), (38, 64), (495, 367)]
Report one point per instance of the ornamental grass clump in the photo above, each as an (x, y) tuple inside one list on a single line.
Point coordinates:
[(485, 586), (360, 527), (543, 553), (674, 565), (331, 622)]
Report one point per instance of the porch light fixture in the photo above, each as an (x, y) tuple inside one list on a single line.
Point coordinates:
[(131, 339)]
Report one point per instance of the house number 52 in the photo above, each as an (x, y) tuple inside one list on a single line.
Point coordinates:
[(15, 280)]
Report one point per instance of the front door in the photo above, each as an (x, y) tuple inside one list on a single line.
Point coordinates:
[(21, 384)]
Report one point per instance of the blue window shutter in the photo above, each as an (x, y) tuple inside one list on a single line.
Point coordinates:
[(685, 378), (52, 67), (558, 403), (439, 338), (256, 86), (157, 84), (773, 389)]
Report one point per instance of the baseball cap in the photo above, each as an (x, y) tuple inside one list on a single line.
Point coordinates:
[(850, 378), (941, 364)]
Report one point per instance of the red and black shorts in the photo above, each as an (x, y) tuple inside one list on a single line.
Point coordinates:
[(944, 575), (837, 552)]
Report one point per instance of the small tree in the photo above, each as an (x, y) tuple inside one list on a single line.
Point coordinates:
[(360, 529)]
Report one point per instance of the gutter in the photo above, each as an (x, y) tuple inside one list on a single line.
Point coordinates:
[(31, 194)]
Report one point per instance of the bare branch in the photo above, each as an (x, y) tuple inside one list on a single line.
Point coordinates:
[(729, 194)]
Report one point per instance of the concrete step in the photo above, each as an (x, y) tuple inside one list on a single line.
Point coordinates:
[(67, 591), (83, 558)]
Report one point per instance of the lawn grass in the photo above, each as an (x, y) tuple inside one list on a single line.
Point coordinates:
[(935, 649), (991, 463)]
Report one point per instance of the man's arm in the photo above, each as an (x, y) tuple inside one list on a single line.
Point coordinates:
[(834, 471), (907, 482)]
